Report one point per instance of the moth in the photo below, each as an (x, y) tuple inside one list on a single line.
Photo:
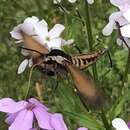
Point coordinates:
[(56, 61)]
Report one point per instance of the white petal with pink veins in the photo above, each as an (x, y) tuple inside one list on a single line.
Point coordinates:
[(56, 31), (127, 15), (55, 43), (15, 33), (125, 31)]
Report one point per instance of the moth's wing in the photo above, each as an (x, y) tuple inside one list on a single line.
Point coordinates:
[(30, 43), (84, 60), (86, 87)]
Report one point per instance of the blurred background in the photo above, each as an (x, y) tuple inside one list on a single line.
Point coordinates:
[(64, 99)]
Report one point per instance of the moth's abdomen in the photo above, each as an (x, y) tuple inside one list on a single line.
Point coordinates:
[(84, 60)]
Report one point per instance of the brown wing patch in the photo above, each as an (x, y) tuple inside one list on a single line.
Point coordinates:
[(30, 43), (85, 86)]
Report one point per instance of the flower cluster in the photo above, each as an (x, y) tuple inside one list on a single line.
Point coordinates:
[(38, 30), (120, 20), (73, 1), (28, 112)]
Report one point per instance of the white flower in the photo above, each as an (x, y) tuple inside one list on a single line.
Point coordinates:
[(72, 1), (117, 16), (38, 30), (122, 18), (114, 17), (119, 124)]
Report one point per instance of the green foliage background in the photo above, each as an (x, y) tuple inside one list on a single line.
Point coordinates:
[(13, 12)]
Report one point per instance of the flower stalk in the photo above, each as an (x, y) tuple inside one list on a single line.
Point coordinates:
[(90, 38), (105, 121), (126, 71)]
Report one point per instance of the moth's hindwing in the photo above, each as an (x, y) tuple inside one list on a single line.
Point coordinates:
[(84, 60)]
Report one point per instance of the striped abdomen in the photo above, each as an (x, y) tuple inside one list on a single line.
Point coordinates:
[(84, 60)]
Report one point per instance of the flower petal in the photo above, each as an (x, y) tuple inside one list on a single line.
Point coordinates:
[(119, 124), (15, 33), (41, 31), (43, 118), (10, 119), (57, 122), (10, 106), (90, 1), (56, 1), (127, 15), (28, 26), (128, 124), (56, 31), (72, 1), (42, 27), (68, 42), (125, 31), (22, 66), (55, 44), (118, 17), (118, 2), (122, 44), (37, 103), (23, 121), (82, 128), (108, 28)]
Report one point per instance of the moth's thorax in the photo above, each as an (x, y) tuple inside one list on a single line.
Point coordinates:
[(58, 59)]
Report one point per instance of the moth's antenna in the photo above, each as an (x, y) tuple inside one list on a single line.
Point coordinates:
[(32, 50)]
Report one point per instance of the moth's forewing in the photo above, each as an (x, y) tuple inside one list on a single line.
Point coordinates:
[(84, 60), (30, 43), (85, 86)]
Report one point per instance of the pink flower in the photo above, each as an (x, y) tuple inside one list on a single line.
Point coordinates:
[(128, 124), (22, 114)]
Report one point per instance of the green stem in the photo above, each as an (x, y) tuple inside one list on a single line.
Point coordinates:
[(105, 121), (126, 71), (90, 38), (29, 82)]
